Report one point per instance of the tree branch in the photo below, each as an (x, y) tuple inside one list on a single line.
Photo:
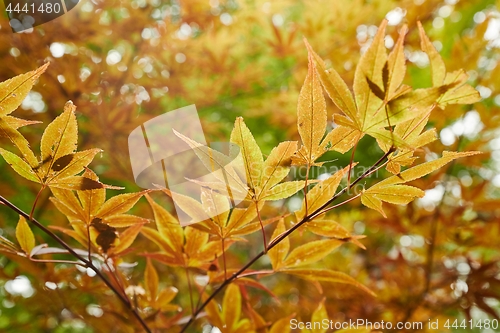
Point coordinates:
[(87, 262), (280, 238)]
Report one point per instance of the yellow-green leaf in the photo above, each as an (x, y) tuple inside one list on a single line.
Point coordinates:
[(328, 228), (151, 280), (25, 236), (319, 316), (370, 67), (311, 252), (321, 193), (438, 69), (311, 113), (277, 165), (60, 137), (284, 190), (72, 164), (334, 85), (19, 165), (252, 156), (19, 141), (278, 253), (396, 66), (13, 91)]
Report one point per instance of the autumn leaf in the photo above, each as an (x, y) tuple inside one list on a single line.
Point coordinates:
[(151, 281), (25, 236), (311, 116), (279, 252), (229, 318), (319, 315), (13, 91), (310, 253), (327, 275), (390, 190), (252, 156), (321, 193), (59, 160)]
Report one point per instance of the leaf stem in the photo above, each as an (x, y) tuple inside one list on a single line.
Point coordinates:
[(35, 202), (264, 240), (88, 263)]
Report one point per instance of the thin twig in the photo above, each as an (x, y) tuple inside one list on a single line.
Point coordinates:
[(280, 238), (34, 203), (88, 263), (264, 240)]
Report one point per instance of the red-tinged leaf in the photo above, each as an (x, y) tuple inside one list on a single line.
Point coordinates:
[(310, 252), (327, 276), (168, 227), (151, 281), (335, 87), (60, 137), (119, 204), (126, 239), (438, 69), (255, 284), (15, 90), (19, 165), (278, 253), (24, 235)]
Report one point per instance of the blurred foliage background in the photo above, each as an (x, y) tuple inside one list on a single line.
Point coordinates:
[(124, 62)]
